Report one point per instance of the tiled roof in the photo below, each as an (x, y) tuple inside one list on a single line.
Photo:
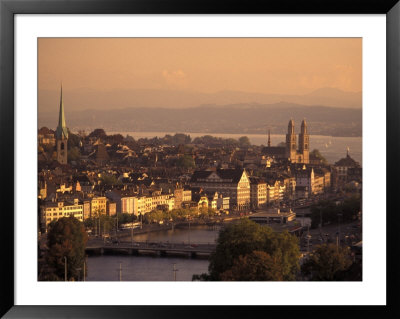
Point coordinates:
[(347, 162), (226, 174)]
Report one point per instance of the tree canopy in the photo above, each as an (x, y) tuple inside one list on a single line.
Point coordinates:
[(185, 161), (99, 133), (319, 156), (245, 244), (255, 266), (328, 262), (330, 212), (66, 237), (244, 141)]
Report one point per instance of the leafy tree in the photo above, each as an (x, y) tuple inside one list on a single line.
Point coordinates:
[(74, 154), (115, 139), (66, 237), (244, 238), (109, 179), (244, 141), (99, 133), (319, 156), (256, 266), (73, 140), (327, 263), (329, 211), (186, 161)]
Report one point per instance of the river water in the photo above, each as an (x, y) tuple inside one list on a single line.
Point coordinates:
[(332, 148), (145, 268)]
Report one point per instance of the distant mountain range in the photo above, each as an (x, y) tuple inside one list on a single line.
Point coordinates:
[(240, 118), (81, 99)]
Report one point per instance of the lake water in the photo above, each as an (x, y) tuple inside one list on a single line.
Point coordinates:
[(332, 148), (145, 268)]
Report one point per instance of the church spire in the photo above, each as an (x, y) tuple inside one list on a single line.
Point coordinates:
[(269, 138), (61, 131)]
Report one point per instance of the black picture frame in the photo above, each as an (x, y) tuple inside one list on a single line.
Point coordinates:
[(8, 10)]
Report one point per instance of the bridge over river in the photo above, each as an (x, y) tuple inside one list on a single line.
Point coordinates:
[(162, 249)]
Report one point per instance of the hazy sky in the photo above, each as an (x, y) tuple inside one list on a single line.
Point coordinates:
[(265, 65)]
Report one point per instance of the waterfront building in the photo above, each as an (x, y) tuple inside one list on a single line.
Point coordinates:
[(232, 183), (223, 202), (273, 215), (98, 206), (57, 209), (258, 192), (111, 208), (181, 196)]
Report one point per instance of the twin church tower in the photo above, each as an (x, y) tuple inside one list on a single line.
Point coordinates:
[(301, 155), (289, 151)]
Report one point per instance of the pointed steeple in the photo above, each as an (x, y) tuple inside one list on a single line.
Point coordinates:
[(304, 126), (269, 138), (61, 131), (291, 127)]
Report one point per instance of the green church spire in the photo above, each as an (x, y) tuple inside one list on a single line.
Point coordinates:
[(61, 131)]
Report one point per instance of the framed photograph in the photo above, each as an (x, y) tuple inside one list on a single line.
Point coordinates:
[(169, 158)]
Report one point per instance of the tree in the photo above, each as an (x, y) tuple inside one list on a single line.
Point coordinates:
[(244, 141), (329, 211), (319, 156), (74, 154), (109, 179), (256, 266), (245, 237), (99, 133), (186, 161), (327, 263), (73, 140), (66, 238)]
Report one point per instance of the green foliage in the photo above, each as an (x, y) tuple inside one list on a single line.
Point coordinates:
[(124, 218), (66, 238), (244, 141), (155, 216), (99, 133), (185, 161), (206, 213), (319, 156), (73, 140), (244, 238), (329, 211), (256, 266), (114, 139), (174, 215), (74, 154), (109, 179), (327, 263)]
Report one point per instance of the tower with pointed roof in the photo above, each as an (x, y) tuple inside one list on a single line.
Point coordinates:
[(304, 143), (62, 134), (291, 148)]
